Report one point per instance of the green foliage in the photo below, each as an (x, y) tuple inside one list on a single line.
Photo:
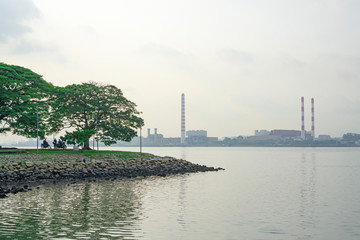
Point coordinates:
[(78, 138), (23, 94), (92, 106)]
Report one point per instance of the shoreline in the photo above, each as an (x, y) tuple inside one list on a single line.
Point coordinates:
[(20, 175)]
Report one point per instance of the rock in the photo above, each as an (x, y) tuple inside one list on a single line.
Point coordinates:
[(29, 164), (14, 190), (109, 169)]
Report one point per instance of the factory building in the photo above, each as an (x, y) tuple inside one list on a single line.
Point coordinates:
[(158, 139), (285, 133), (262, 132), (153, 139), (282, 133), (196, 137), (199, 137)]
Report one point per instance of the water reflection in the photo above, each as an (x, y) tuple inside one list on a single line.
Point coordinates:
[(107, 210), (307, 190), (183, 153), (182, 204)]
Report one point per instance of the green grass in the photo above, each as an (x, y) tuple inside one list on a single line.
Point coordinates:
[(87, 153)]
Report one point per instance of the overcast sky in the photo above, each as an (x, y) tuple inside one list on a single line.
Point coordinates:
[(243, 65)]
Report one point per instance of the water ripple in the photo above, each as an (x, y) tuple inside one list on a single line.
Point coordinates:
[(72, 212)]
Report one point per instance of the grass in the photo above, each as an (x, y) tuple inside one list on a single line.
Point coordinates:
[(87, 153)]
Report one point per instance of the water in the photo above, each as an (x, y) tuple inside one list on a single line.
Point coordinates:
[(264, 193)]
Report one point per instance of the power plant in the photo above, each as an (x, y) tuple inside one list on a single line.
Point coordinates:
[(276, 137)]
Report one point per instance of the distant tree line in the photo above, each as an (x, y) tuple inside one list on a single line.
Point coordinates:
[(351, 137), (87, 109)]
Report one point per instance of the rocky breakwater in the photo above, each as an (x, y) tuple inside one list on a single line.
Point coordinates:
[(16, 176)]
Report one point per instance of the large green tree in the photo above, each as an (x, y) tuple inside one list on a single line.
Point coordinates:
[(93, 106), (23, 95)]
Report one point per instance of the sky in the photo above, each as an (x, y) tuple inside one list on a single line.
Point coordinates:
[(242, 64)]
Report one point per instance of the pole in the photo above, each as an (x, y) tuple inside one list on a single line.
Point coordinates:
[(97, 140), (37, 132), (140, 142)]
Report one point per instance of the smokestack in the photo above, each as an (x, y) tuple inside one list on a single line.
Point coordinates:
[(182, 118), (155, 129), (148, 132), (312, 119), (302, 119)]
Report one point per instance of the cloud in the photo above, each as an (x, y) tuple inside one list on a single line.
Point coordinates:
[(159, 50), (17, 37), (235, 56), (297, 63), (162, 55), (13, 17), (28, 46)]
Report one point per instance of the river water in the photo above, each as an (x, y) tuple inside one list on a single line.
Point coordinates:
[(264, 193)]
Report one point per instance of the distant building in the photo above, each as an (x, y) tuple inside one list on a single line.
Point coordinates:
[(195, 137), (154, 139), (324, 137), (172, 141), (262, 132), (285, 133), (212, 140), (197, 133)]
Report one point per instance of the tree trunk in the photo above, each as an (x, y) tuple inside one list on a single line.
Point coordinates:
[(86, 145)]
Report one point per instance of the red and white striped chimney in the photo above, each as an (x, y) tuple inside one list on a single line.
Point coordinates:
[(182, 118), (302, 119), (312, 119)]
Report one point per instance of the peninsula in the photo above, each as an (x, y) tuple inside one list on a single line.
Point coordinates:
[(22, 169)]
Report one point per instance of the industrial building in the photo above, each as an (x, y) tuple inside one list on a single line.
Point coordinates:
[(158, 139), (285, 133), (153, 139), (196, 137), (262, 132)]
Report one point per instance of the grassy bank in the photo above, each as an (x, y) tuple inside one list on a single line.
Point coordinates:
[(14, 155), (19, 151)]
